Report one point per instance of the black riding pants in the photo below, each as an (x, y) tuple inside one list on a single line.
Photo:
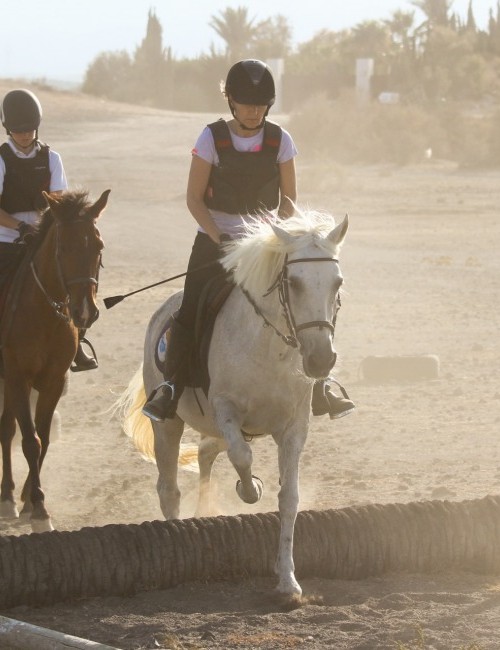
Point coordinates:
[(205, 252)]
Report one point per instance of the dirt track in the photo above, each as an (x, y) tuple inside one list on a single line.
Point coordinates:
[(422, 277)]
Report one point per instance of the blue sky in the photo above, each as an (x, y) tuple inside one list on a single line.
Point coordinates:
[(57, 39)]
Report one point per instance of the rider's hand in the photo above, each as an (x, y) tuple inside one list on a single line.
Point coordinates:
[(224, 238), (26, 232)]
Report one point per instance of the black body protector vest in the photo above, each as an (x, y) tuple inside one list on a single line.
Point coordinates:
[(244, 182), (25, 178)]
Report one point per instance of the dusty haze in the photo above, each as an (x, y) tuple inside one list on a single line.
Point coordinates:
[(422, 277)]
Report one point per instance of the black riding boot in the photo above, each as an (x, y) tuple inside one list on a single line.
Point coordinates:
[(162, 403), (324, 401), (83, 361)]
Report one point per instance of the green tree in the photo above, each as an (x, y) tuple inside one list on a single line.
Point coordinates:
[(109, 75), (436, 11), (403, 52), (152, 69), (273, 38), (238, 31), (471, 21)]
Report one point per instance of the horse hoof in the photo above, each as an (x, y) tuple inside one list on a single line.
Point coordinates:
[(289, 588), (41, 525), (288, 602), (258, 489), (8, 510)]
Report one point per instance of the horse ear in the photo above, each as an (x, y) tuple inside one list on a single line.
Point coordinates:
[(283, 235), (100, 204), (48, 199), (336, 236)]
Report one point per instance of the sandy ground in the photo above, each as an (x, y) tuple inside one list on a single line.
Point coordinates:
[(422, 277)]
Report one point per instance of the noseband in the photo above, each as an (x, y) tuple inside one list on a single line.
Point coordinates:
[(60, 306), (281, 284)]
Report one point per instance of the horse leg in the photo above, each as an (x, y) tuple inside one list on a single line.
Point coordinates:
[(249, 488), (8, 508), (167, 438), (208, 451), (290, 446), (32, 494)]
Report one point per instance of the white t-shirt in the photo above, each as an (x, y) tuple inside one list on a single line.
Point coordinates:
[(205, 149), (57, 183)]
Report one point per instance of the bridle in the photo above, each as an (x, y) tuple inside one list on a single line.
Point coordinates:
[(281, 284), (60, 306)]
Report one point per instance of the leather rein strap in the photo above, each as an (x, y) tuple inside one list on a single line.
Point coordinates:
[(281, 283)]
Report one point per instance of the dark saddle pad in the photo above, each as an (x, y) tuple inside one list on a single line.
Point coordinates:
[(211, 301)]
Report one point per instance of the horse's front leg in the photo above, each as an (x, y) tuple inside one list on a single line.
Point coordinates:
[(48, 399), (32, 492), (290, 445), (8, 508), (167, 438), (228, 420)]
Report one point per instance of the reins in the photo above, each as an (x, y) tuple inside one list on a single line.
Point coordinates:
[(281, 284), (58, 306)]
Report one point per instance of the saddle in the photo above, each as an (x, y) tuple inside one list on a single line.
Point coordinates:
[(212, 298)]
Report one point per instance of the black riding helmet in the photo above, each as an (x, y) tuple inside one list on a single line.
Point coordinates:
[(250, 82), (20, 111)]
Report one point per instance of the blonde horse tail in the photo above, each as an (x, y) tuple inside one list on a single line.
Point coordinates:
[(134, 423), (138, 427)]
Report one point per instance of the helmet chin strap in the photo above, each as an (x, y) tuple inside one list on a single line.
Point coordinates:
[(248, 128), (251, 128)]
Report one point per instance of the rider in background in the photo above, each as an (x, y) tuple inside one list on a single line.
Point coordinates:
[(27, 167), (238, 168)]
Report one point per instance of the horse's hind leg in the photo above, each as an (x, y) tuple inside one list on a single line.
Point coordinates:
[(8, 508), (208, 451), (167, 438)]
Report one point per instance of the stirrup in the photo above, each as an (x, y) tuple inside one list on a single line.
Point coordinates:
[(339, 406), (85, 362), (161, 404), (328, 402)]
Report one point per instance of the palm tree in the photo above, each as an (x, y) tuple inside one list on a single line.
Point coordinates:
[(436, 11), (236, 29)]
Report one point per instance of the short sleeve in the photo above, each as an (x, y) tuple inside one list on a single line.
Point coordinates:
[(2, 174), (58, 180), (205, 147), (287, 150)]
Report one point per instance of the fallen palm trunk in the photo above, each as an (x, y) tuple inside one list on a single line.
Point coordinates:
[(350, 543)]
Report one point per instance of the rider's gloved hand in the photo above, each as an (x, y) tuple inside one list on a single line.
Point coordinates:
[(224, 238), (26, 232)]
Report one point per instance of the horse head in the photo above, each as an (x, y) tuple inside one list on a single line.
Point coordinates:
[(78, 247), (309, 288), (297, 259)]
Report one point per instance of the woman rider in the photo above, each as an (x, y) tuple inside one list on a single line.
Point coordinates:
[(238, 167), (27, 166)]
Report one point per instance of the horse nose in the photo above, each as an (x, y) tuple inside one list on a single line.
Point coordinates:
[(84, 318), (320, 365)]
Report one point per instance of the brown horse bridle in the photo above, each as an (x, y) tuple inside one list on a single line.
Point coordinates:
[(281, 284), (61, 306)]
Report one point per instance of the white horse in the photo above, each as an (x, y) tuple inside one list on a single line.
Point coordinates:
[(272, 339)]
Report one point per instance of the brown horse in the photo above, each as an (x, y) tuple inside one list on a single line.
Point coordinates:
[(52, 296)]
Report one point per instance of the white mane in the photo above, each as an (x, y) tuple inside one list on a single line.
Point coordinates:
[(256, 259)]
